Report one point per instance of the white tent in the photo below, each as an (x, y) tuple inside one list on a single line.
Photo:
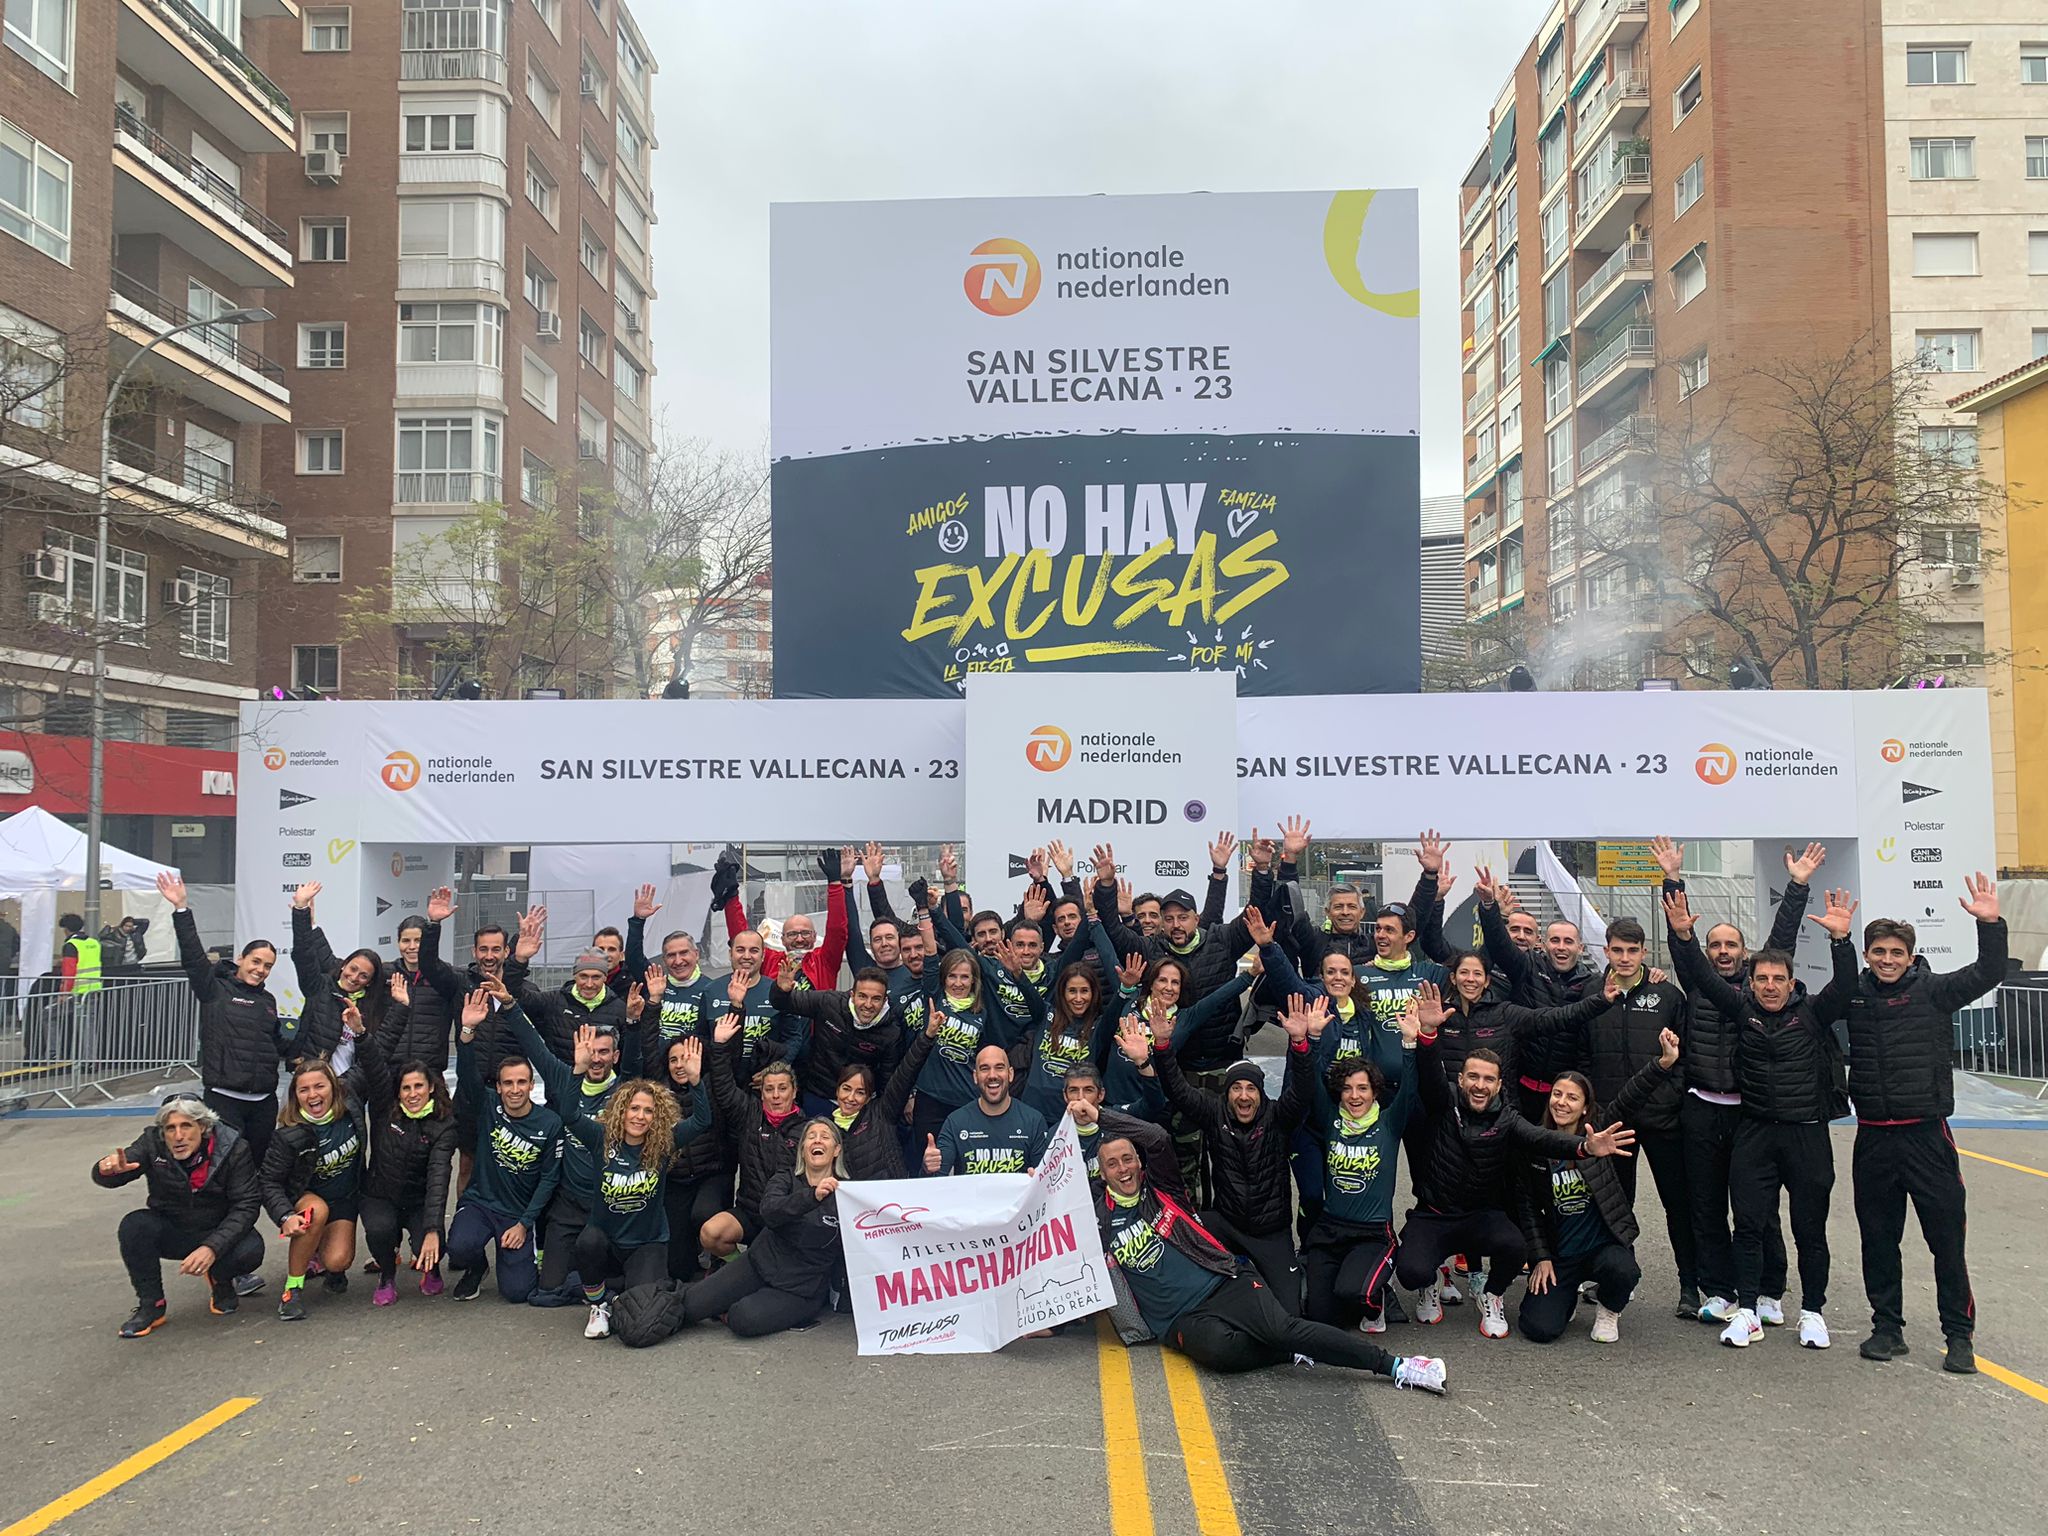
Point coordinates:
[(40, 856)]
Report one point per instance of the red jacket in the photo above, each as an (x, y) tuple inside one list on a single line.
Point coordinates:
[(822, 964)]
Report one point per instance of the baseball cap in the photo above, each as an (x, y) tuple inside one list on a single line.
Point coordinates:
[(1177, 897)]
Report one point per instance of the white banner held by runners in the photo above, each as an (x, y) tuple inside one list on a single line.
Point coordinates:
[(962, 1266)]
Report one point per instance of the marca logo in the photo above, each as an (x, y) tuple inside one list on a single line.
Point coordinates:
[(401, 771), (1048, 748), (1909, 792), (1926, 855), (287, 798), (1002, 277), (1716, 763), (1893, 750), (1926, 885), (273, 758)]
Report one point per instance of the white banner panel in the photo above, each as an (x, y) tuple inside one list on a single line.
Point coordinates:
[(964, 1265), (298, 817), (1087, 759)]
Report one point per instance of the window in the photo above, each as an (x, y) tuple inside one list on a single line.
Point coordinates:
[(590, 342), (542, 91), (628, 377), (1692, 374), (629, 466), (1511, 567), (1509, 276), (125, 591), (2040, 339), (591, 433), (550, 14), (537, 383), (539, 286), (1947, 351), (35, 192), (595, 166), (327, 30), (1550, 156), (1689, 277), (2037, 157), (1949, 546), (1507, 216), (632, 304), (40, 31), (536, 482), (2034, 64), (197, 728), (1945, 255), (2037, 252), (440, 133), (323, 346), (1557, 305), (1685, 98), (591, 82), (633, 226), (1556, 224), (1682, 12), (632, 141), (1937, 65), (317, 667), (596, 259), (1944, 159), (632, 62), (31, 373), (209, 460), (541, 190), (323, 239), (1958, 445), (1557, 454), (447, 458), (1691, 182), (467, 230), (320, 450), (203, 625), (444, 333), (324, 130), (1557, 386)]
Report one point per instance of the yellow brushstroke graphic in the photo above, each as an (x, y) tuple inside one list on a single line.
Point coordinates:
[(1343, 230)]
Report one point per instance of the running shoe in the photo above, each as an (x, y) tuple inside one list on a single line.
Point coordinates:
[(467, 1284), (431, 1283), (1770, 1311), (249, 1284), (1688, 1302), (600, 1324), (1373, 1322), (1883, 1346), (386, 1293), (1606, 1326), (1743, 1329), (222, 1300), (1493, 1316), (1716, 1309), (1419, 1373), (148, 1317), (336, 1280), (291, 1306), (1813, 1331), (1961, 1358), (1429, 1307), (1447, 1290)]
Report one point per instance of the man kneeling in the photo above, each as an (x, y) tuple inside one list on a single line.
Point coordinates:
[(1192, 1297)]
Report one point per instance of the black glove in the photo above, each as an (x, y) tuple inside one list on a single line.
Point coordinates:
[(725, 878), (828, 865), (920, 894)]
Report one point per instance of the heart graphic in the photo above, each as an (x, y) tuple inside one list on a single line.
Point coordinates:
[(1240, 519), (339, 848)]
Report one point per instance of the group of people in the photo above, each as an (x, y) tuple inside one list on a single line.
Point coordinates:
[(691, 1129)]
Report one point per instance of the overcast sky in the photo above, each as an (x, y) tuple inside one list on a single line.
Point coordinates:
[(763, 101)]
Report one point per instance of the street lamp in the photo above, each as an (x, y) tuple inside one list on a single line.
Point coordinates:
[(96, 807)]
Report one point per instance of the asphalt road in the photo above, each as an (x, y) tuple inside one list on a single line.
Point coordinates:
[(436, 1417)]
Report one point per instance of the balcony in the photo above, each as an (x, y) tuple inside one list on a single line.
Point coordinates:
[(171, 43), (1615, 285), (445, 487), (1617, 21), (1629, 435), (461, 383), (1617, 106), (1632, 349), (1481, 273), (212, 367), (471, 168), (465, 276), (1619, 515), (205, 511), (1482, 205), (1479, 468), (443, 64), (1481, 404), (159, 189), (1610, 192)]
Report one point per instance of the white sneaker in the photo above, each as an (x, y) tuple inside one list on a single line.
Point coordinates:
[(1447, 1287), (1813, 1331), (1717, 1309), (1493, 1316), (1771, 1310), (1373, 1322), (600, 1324), (1606, 1326), (1743, 1329), (1429, 1306), (1419, 1373)]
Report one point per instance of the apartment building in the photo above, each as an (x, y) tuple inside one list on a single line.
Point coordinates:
[(472, 207), (1966, 191), (139, 143), (1668, 191)]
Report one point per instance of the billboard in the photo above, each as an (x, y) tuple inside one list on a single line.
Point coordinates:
[(1121, 434)]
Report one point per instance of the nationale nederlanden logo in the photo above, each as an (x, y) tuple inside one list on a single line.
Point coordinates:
[(401, 770), (1893, 750), (1716, 763), (1002, 277), (1048, 748), (273, 758)]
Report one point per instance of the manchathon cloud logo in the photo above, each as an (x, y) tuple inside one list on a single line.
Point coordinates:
[(1002, 278)]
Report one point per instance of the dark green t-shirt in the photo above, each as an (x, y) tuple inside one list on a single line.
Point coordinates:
[(338, 1165), (1164, 1281), (1580, 1227)]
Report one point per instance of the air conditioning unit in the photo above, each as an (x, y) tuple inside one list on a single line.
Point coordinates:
[(53, 608), (632, 325), (323, 167), (1964, 576), (550, 325), (586, 449), (45, 564), (181, 594), (589, 86)]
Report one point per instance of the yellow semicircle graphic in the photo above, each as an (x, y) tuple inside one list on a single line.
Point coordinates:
[(1343, 229)]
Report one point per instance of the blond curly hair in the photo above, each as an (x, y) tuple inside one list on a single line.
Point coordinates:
[(659, 1149)]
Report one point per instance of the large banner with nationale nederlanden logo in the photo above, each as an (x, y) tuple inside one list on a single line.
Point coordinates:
[(1119, 434)]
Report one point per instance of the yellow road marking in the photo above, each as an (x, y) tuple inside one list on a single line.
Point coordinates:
[(1981, 1157), (1215, 1510), (122, 1472), (1123, 1446), (2012, 1379)]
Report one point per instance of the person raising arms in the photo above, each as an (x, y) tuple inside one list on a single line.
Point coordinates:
[(699, 1183), (1094, 1121), (763, 1126), (518, 1161), (837, 1030), (412, 1149)]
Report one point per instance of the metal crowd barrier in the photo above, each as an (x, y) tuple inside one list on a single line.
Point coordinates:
[(138, 1032), (2006, 1035)]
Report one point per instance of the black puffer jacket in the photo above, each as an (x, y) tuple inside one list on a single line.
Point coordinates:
[(436, 991), (287, 1170), (1622, 1039), (1787, 1064), (1466, 1167), (1710, 1034), (1902, 1035), (836, 1039), (315, 963), (798, 1249), (764, 1148), (1248, 1168), (226, 1202), (1535, 982), (1509, 1030), (241, 1039), (1537, 1215), (559, 1014), (1211, 963), (409, 1158), (701, 1157), (873, 1149)]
